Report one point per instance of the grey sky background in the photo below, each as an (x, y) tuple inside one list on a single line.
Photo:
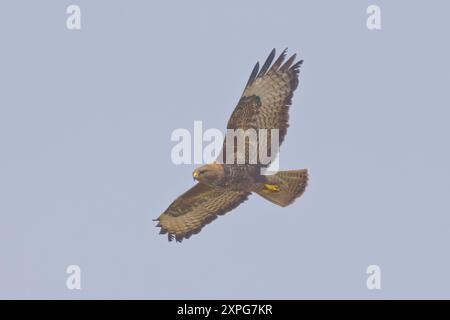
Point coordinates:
[(85, 124)]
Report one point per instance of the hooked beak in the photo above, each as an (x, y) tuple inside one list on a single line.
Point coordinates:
[(195, 174)]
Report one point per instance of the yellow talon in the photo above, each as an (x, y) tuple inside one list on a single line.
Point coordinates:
[(272, 187)]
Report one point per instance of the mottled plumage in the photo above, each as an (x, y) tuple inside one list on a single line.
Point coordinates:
[(222, 187)]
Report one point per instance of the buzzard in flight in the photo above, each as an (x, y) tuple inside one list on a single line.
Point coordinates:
[(221, 186)]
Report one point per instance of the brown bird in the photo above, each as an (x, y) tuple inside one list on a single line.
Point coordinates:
[(222, 186)]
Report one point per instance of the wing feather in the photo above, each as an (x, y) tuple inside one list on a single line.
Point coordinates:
[(266, 99), (253, 75), (197, 207), (267, 64)]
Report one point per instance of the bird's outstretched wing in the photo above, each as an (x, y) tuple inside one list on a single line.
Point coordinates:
[(195, 208), (266, 99)]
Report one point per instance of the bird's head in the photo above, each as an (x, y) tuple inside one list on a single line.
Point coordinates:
[(209, 173)]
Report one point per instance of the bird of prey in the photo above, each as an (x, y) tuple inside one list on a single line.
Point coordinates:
[(220, 186)]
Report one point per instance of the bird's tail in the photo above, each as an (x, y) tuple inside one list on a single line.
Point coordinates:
[(284, 187)]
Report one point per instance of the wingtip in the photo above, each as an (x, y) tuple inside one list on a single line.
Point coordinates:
[(273, 52), (267, 63), (288, 63), (279, 60), (253, 74), (296, 66)]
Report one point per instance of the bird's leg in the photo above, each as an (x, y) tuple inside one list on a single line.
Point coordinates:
[(272, 187)]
